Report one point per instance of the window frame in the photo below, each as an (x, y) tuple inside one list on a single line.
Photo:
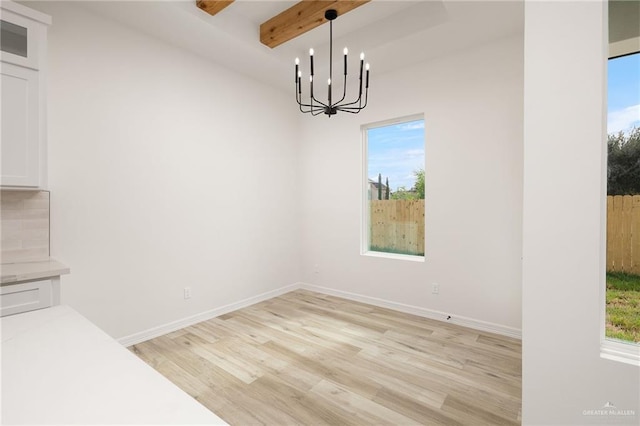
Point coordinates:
[(613, 349), (365, 213)]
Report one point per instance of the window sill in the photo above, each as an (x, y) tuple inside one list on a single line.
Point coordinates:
[(409, 257), (628, 353)]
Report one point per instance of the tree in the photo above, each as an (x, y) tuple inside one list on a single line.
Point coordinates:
[(623, 158), (379, 186), (419, 185), (415, 193), (386, 195), (403, 194)]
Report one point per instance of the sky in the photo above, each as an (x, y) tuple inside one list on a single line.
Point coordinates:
[(395, 152), (623, 93)]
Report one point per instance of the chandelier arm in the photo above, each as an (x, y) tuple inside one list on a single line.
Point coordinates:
[(299, 101), (344, 92), (357, 101), (349, 108), (352, 108), (313, 111), (303, 105), (311, 107), (321, 103), (349, 111)]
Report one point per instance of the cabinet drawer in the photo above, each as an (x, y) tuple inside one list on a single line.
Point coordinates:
[(24, 297)]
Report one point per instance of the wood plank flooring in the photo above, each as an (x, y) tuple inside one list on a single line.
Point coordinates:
[(310, 359)]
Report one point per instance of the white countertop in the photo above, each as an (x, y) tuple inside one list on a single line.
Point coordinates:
[(15, 272), (59, 368)]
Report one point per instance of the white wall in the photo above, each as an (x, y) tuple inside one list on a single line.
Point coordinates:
[(472, 103), (166, 171), (564, 188)]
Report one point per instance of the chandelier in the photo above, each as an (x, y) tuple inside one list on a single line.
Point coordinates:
[(315, 107)]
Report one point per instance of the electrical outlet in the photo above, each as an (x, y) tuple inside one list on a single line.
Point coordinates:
[(435, 289), (187, 292)]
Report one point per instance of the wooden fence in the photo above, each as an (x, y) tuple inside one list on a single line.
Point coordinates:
[(397, 226), (623, 233)]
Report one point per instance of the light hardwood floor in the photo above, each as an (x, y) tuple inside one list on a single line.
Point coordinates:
[(312, 359)]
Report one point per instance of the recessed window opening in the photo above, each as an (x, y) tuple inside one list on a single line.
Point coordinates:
[(622, 314), (394, 188)]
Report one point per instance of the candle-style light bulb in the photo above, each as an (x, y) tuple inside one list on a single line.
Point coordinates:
[(345, 60), (362, 56), (329, 82), (299, 74), (297, 61), (311, 58), (366, 67)]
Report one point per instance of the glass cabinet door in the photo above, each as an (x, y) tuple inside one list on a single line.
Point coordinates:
[(19, 40), (13, 38)]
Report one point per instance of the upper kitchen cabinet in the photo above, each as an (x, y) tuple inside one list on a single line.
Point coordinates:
[(23, 48)]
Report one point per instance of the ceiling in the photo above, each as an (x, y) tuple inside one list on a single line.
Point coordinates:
[(394, 34)]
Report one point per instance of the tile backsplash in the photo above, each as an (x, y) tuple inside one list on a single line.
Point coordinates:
[(25, 226)]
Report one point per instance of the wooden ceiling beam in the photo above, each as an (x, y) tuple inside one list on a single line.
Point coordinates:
[(300, 18), (213, 6)]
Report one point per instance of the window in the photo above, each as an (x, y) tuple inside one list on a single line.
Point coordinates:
[(394, 188), (622, 307)]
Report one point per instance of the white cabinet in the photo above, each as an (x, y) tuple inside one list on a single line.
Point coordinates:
[(23, 42), (27, 296), (20, 128)]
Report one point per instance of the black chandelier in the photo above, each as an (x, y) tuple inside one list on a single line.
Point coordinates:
[(330, 108)]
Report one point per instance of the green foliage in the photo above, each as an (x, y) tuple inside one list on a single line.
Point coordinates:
[(419, 185), (403, 194), (415, 193), (379, 186), (623, 306), (386, 190), (623, 171), (623, 281)]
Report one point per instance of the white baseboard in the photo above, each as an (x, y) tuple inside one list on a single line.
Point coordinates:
[(203, 316), (401, 307), (422, 312)]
